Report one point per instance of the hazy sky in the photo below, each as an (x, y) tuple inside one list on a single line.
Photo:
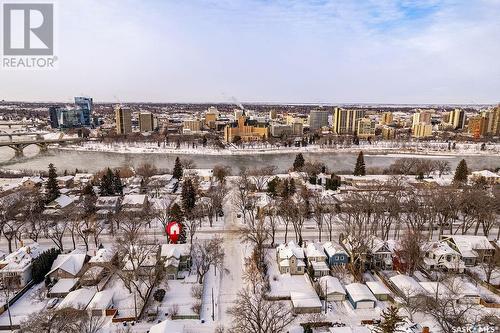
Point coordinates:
[(330, 51)]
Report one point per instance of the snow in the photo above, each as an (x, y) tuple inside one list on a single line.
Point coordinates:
[(18, 260), (407, 285), (359, 292), (102, 300), (134, 200), (174, 250), (71, 263), (103, 255), (305, 300), (32, 301), (377, 288), (63, 286), (331, 285), (78, 299)]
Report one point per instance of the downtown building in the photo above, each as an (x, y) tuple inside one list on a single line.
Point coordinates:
[(318, 119), (346, 121), (123, 119), (146, 122), (70, 117)]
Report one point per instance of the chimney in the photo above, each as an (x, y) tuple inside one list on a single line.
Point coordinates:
[(425, 329)]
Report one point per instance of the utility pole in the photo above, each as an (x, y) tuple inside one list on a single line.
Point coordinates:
[(326, 294), (135, 306), (213, 305)]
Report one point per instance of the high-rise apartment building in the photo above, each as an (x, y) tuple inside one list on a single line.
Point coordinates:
[(477, 126), (123, 118), (318, 119), (345, 121), (421, 130), (146, 122), (84, 104), (422, 117), (386, 118), (457, 119), (366, 128)]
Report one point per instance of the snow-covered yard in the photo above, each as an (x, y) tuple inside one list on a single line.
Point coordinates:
[(32, 301)]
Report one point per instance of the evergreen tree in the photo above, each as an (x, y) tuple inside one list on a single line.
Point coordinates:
[(177, 173), (391, 321), (106, 184), (41, 265), (272, 187), (291, 187), (298, 164), (359, 169), (333, 183), (461, 172), (285, 190), (117, 183), (188, 196), (89, 199), (52, 186)]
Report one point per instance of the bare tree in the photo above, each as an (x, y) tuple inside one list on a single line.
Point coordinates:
[(411, 251), (221, 172), (205, 254), (260, 176), (216, 196), (319, 209), (253, 313), (243, 200), (255, 232), (443, 167)]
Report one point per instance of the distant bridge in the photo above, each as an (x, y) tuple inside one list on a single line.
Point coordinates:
[(16, 123), (10, 135), (19, 146)]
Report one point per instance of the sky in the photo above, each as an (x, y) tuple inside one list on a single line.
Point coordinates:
[(270, 51)]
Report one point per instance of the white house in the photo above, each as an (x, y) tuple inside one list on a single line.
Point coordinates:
[(290, 258), (472, 249), (15, 268), (439, 255)]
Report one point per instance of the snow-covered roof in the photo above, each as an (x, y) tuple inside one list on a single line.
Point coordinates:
[(78, 299), (20, 259), (101, 300), (359, 292), (71, 263), (432, 288), (441, 248), (330, 285), (305, 300), (286, 251), (174, 250), (406, 284), (466, 244), (107, 201), (134, 200), (377, 288), (103, 255), (198, 172), (35, 180), (167, 326), (331, 250), (63, 286), (485, 173), (65, 178), (314, 250), (60, 202)]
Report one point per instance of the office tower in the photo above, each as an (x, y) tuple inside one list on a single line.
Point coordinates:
[(84, 105), (273, 114), (495, 122), (318, 119), (191, 125), (53, 116), (386, 118), (146, 122), (123, 120), (365, 128), (298, 128), (345, 121), (457, 119)]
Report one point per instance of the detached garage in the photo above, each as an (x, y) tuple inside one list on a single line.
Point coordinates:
[(360, 296), (331, 289)]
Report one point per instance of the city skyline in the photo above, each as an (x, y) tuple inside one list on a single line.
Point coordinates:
[(311, 52)]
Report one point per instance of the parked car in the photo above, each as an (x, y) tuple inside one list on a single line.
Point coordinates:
[(52, 303)]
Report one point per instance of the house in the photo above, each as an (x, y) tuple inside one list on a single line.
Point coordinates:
[(491, 178), (439, 255), (134, 203), (106, 205), (103, 256), (380, 291), (316, 260), (177, 258), (305, 302), (101, 303), (15, 268), (290, 258), (32, 182), (406, 286), (331, 289), (203, 174), (63, 287), (65, 181), (78, 299), (473, 250), (81, 179), (335, 255), (380, 255), (360, 296), (67, 266), (61, 202), (144, 262)]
